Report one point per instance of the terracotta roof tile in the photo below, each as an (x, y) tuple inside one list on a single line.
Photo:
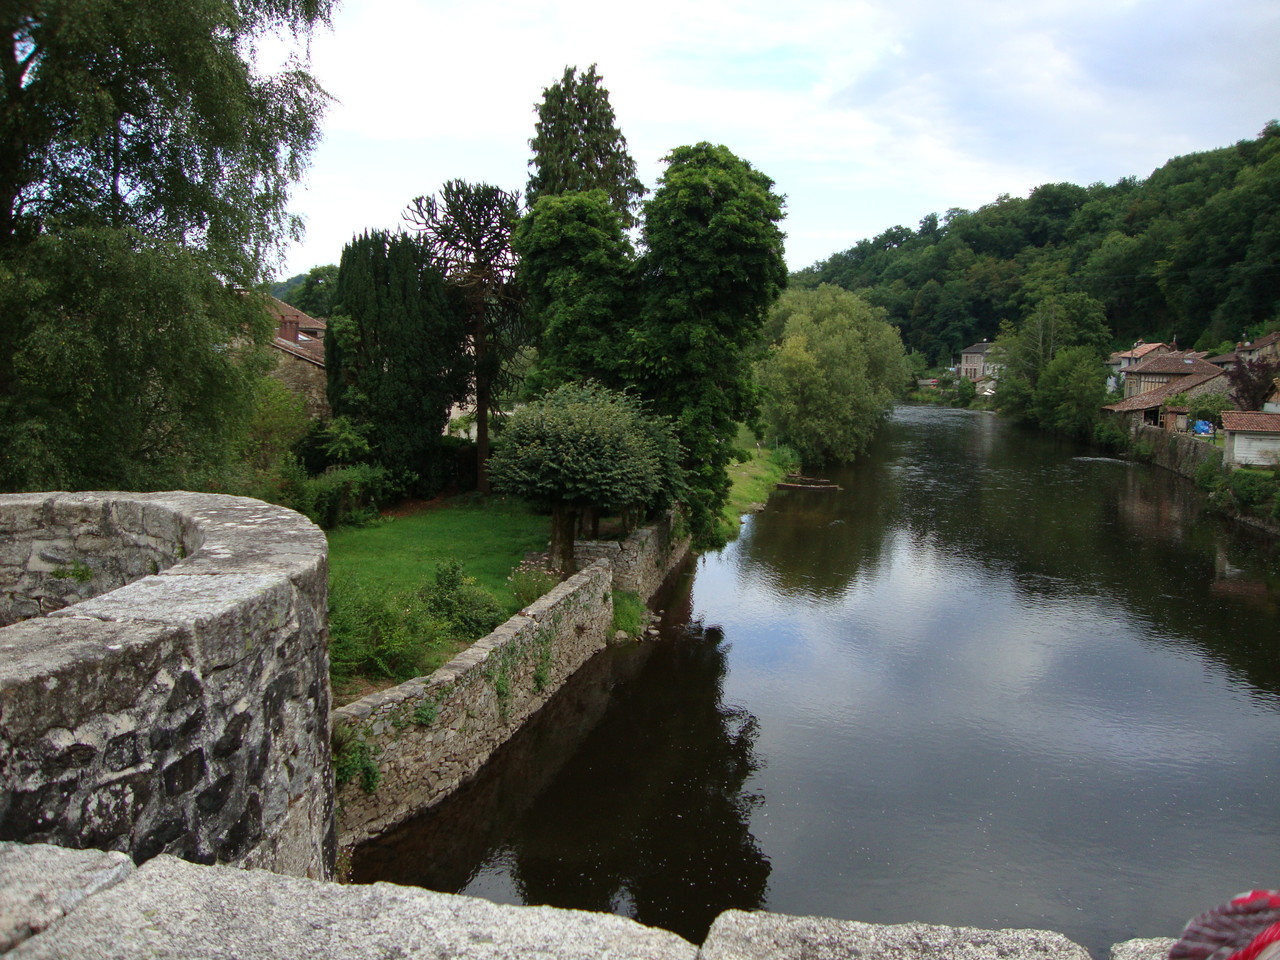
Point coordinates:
[(1157, 397), (1183, 362), (283, 311), (1250, 420), (309, 350)]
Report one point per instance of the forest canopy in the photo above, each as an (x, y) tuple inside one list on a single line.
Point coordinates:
[(1192, 253)]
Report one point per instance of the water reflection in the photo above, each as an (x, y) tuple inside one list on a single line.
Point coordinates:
[(998, 680), (635, 806)]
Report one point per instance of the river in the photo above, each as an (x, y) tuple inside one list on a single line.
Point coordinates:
[(998, 681)]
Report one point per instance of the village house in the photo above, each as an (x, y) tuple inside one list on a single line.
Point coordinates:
[(299, 342), (1157, 371), (1150, 383), (1251, 438), (975, 363), (1272, 404), (1266, 347), (1121, 360)]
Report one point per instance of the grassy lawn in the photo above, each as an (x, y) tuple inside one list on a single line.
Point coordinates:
[(753, 482), (390, 617), (488, 537)]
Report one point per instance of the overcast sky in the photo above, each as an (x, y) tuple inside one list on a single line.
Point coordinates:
[(866, 114)]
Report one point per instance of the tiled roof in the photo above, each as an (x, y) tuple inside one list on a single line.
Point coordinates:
[(1263, 341), (982, 347), (283, 311), (308, 349), (1139, 350), (1156, 397), (1222, 359), (1251, 421), (1184, 362)]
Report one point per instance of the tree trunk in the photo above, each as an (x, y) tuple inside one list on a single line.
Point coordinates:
[(483, 399), (564, 523)]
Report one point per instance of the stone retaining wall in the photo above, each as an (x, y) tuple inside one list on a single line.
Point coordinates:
[(642, 561), (183, 707), (1179, 452), (423, 738)]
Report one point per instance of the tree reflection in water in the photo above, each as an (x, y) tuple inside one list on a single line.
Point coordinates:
[(655, 803), (646, 812)]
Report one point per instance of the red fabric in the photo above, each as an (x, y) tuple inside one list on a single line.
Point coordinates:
[(1237, 930)]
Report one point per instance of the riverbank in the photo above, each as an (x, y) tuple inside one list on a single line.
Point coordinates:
[(399, 751), (1249, 497)]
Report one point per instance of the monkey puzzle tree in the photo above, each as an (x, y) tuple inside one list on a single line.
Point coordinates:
[(468, 233)]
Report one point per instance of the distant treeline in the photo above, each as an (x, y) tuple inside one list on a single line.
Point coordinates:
[(1192, 253)]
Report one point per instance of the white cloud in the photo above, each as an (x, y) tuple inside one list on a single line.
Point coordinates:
[(866, 114)]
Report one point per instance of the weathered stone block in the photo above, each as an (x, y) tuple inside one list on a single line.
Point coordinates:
[(737, 935), (123, 718), (40, 885), (175, 909)]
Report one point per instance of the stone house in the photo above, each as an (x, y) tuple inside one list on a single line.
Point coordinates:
[(975, 363), (1272, 404), (299, 346), (1252, 438), (1188, 376), (1166, 368), (1122, 360), (1266, 347)]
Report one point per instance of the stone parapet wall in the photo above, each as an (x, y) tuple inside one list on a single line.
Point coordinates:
[(643, 560), (58, 903), (425, 737), (185, 712), (56, 551)]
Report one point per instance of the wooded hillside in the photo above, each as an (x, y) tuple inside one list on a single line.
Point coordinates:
[(1192, 253)]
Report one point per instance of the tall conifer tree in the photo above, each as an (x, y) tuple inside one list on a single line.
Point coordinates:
[(394, 352), (577, 145)]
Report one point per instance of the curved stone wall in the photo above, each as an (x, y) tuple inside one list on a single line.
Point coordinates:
[(174, 697)]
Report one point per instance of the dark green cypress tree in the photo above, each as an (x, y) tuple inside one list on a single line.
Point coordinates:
[(577, 145), (394, 353)]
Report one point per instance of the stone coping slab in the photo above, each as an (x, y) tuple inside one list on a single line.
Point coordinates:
[(169, 908), (738, 935), (57, 903), (1153, 948), (40, 885)]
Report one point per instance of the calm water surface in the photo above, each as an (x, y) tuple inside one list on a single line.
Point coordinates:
[(997, 681)]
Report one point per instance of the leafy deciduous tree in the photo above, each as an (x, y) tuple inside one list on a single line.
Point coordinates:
[(712, 268), (1072, 388), (583, 447), (314, 296), (154, 116), (144, 167), (125, 364), (1252, 381), (575, 271), (833, 376)]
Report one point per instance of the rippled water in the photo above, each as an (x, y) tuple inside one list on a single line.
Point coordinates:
[(998, 680)]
